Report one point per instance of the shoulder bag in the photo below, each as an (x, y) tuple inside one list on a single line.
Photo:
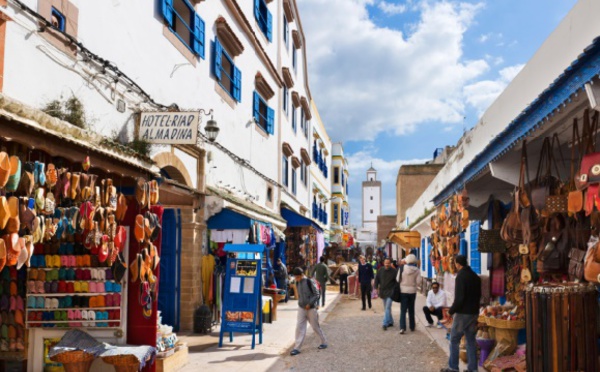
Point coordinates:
[(592, 263)]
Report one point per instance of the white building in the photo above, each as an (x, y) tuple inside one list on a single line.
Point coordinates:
[(340, 208), (319, 170), (242, 62), (371, 200)]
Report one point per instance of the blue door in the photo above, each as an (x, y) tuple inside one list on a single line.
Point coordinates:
[(168, 294)]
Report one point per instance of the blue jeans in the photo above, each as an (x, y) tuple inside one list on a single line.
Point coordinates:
[(388, 321), (407, 303), (464, 324)]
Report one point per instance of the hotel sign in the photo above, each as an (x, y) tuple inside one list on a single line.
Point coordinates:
[(169, 128)]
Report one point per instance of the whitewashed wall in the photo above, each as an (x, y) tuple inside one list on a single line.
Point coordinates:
[(130, 34)]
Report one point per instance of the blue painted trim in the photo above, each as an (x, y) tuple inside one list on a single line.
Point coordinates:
[(572, 80), (178, 280)]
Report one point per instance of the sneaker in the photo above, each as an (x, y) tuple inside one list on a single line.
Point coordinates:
[(449, 370), (429, 325), (439, 326), (294, 352), (363, 309), (384, 328), (322, 346), (401, 331)]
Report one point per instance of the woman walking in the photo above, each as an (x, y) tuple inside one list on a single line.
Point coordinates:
[(408, 277)]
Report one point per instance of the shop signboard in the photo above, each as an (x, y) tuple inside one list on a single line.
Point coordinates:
[(242, 297), (169, 127)]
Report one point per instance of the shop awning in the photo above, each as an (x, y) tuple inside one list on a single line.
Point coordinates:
[(176, 195), (226, 200), (296, 220), (229, 219), (406, 239)]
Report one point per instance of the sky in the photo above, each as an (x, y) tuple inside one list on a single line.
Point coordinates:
[(396, 79)]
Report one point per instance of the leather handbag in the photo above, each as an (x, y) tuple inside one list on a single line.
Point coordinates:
[(575, 197), (554, 248), (490, 241), (592, 263), (579, 237), (589, 171)]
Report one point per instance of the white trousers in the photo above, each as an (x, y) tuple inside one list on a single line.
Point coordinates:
[(311, 316)]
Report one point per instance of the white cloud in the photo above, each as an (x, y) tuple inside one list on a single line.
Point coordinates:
[(390, 8), (484, 37), (481, 94), (368, 79)]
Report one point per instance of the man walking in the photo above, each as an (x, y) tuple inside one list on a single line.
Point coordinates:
[(365, 275), (308, 303), (384, 284), (436, 300), (281, 275), (466, 308), (321, 274)]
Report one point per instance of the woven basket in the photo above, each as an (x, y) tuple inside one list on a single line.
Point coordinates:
[(123, 363), (74, 361), (481, 319), (505, 324)]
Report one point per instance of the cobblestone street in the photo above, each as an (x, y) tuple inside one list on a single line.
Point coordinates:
[(358, 343)]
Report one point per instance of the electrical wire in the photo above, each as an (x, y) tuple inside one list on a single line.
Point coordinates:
[(130, 83)]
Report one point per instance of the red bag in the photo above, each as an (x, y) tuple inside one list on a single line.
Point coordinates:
[(498, 279), (589, 172)]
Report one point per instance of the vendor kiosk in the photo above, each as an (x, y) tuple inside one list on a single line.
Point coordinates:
[(242, 299)]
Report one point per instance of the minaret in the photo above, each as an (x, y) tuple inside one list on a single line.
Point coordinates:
[(371, 196)]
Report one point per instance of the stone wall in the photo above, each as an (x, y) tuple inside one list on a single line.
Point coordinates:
[(384, 225), (411, 182)]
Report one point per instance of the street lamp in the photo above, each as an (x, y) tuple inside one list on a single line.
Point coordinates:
[(211, 128)]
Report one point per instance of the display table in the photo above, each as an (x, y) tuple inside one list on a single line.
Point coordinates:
[(273, 293)]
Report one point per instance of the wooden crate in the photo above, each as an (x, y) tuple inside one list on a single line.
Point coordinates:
[(173, 362)]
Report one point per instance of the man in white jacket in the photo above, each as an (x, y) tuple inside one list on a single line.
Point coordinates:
[(436, 300)]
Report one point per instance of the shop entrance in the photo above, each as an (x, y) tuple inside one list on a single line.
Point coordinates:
[(170, 268)]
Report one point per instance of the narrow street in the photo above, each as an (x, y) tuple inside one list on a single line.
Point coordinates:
[(358, 343)]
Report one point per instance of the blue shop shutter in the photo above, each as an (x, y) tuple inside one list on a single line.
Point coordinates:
[(237, 84), (167, 11), (474, 251), (257, 10), (270, 120), (269, 26), (255, 109), (198, 36), (218, 63)]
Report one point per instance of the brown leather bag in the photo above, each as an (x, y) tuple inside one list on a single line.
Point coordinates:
[(575, 198), (592, 264), (512, 227), (579, 237), (555, 245)]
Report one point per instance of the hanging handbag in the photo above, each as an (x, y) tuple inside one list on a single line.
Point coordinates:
[(575, 197), (579, 237), (557, 201), (591, 268), (589, 172), (490, 241), (554, 247)]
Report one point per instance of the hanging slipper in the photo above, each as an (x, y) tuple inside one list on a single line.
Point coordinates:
[(30, 248), (66, 185), (40, 200), (86, 164), (23, 254), (4, 168), (40, 173), (154, 192), (140, 192), (51, 176), (12, 248), (155, 225), (134, 269), (147, 229), (84, 181), (107, 192), (111, 229), (15, 174), (121, 207), (139, 228), (49, 204), (112, 198), (118, 269), (97, 197), (119, 238), (3, 254), (12, 226), (4, 212), (74, 190), (26, 184)]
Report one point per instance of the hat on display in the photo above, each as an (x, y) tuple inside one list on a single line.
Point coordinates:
[(411, 259)]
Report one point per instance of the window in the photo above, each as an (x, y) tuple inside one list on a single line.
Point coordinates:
[(343, 179), (336, 218), (263, 17), (263, 115), (58, 20), (285, 172), (185, 23), (228, 76), (305, 128), (294, 119), (305, 174), (269, 194), (285, 100), (302, 120), (302, 171), (371, 211), (336, 175), (294, 59), (474, 254), (286, 36), (293, 181), (371, 198)]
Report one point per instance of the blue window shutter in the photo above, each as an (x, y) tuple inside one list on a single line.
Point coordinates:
[(255, 110), (167, 11), (269, 26), (198, 35), (475, 255), (257, 10), (270, 120), (218, 59), (237, 84)]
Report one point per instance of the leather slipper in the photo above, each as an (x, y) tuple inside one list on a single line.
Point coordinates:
[(15, 174)]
